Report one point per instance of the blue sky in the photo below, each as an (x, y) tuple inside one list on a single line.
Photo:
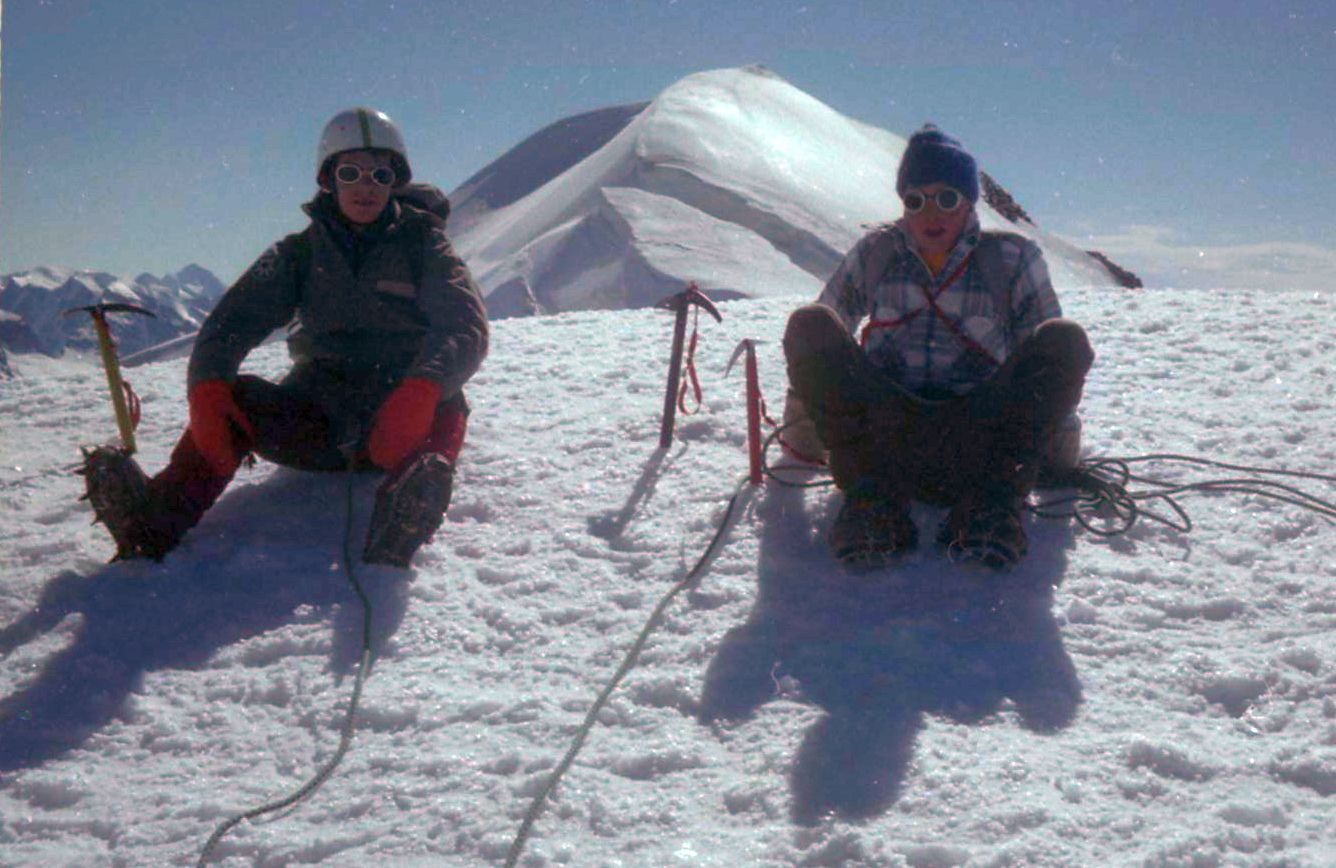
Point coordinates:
[(1194, 140)]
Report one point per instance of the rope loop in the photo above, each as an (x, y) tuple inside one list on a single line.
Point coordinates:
[(132, 403), (690, 367)]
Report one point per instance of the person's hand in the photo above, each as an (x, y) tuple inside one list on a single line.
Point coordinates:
[(403, 421), (213, 416)]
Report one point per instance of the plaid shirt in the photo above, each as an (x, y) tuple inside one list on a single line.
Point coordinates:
[(923, 353)]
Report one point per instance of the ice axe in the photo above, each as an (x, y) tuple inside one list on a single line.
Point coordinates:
[(119, 388), (754, 409), (680, 303)]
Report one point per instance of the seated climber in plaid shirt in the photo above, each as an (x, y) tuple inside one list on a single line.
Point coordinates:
[(961, 385)]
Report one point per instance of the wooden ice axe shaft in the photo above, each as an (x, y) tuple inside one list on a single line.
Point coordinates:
[(112, 365)]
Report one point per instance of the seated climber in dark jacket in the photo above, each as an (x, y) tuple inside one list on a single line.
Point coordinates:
[(964, 385), (385, 327)]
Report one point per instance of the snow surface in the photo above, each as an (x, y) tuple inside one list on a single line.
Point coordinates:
[(1156, 699), (733, 178)]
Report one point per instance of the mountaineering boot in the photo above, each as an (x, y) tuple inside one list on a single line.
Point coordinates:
[(986, 529), (118, 491), (870, 531), (410, 506)]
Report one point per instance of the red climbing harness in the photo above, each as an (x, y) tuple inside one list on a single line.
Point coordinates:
[(949, 321)]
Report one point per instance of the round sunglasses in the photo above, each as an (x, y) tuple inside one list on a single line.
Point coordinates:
[(349, 173), (947, 200)]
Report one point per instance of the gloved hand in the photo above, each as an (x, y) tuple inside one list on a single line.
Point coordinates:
[(403, 421), (213, 412)]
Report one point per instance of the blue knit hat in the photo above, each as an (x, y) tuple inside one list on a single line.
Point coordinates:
[(932, 156)]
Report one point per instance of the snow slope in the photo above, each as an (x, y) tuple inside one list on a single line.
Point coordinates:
[(1156, 699), (733, 178)]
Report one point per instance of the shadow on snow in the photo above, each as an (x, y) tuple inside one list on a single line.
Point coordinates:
[(610, 526), (264, 551), (876, 652)]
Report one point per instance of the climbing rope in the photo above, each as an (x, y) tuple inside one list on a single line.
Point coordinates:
[(1106, 506), (776, 435), (628, 662), (349, 721)]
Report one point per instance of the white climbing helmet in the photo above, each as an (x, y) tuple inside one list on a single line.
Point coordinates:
[(360, 128)]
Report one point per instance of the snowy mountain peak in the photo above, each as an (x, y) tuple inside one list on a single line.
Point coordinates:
[(45, 276), (198, 276), (733, 178)]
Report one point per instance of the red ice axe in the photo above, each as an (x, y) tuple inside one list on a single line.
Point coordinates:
[(754, 411), (123, 399), (680, 303)]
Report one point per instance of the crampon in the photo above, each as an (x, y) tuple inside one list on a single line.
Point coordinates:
[(410, 507)]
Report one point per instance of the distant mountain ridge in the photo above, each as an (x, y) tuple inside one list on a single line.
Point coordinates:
[(35, 301)]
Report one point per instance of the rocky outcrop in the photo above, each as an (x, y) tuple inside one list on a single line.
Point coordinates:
[(1120, 274), (15, 336), (1002, 201)]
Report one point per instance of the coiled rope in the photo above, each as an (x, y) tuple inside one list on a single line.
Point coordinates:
[(628, 662), (1106, 506), (349, 726)]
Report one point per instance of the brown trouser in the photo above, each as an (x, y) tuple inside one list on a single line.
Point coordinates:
[(886, 442)]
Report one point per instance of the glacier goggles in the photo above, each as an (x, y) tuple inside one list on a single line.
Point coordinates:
[(350, 173), (947, 199)]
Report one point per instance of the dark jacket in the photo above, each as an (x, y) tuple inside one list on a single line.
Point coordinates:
[(390, 302)]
